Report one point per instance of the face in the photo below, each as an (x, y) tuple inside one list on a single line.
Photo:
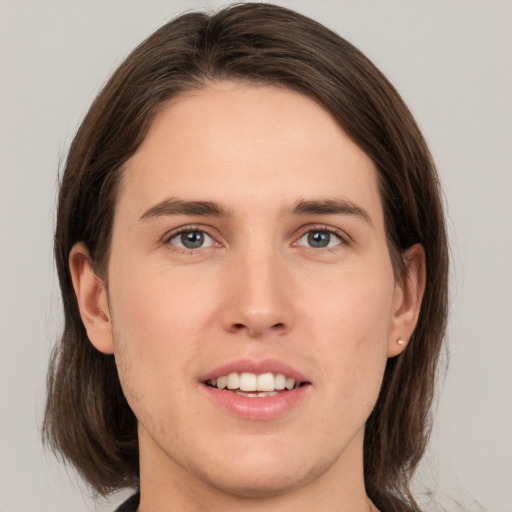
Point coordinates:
[(251, 299)]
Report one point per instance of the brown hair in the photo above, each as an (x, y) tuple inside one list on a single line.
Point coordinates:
[(87, 418)]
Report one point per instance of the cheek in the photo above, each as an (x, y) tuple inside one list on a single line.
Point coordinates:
[(350, 322), (155, 327), (155, 308), (353, 305)]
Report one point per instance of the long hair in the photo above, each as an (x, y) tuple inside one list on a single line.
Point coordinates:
[(87, 418)]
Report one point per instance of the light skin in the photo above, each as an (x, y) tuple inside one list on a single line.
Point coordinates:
[(286, 260)]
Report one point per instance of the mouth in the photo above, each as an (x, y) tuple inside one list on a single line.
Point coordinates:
[(254, 385), (257, 390)]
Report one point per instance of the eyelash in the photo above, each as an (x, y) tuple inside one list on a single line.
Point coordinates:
[(343, 239), (168, 238)]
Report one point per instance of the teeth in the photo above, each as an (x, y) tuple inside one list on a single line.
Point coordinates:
[(233, 381), (260, 394), (279, 381), (248, 382), (222, 382), (289, 383), (265, 383), (270, 393)]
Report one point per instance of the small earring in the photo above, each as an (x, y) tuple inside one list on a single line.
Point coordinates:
[(400, 341)]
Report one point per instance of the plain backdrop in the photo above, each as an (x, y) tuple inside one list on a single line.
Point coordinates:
[(451, 61)]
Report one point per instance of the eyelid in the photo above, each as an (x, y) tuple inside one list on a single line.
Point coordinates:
[(170, 235), (344, 238)]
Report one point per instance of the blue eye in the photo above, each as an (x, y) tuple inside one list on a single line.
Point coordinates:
[(191, 239), (319, 239)]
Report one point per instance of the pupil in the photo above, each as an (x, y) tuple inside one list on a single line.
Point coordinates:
[(319, 239), (192, 240)]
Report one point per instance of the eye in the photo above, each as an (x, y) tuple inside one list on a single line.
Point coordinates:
[(319, 239), (191, 239)]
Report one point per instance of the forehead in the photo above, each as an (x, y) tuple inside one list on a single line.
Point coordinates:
[(236, 142)]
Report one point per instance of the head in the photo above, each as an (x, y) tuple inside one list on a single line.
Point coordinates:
[(272, 53)]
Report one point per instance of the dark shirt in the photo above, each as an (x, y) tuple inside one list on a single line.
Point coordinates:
[(130, 505)]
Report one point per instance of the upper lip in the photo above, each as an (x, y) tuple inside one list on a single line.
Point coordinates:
[(257, 367)]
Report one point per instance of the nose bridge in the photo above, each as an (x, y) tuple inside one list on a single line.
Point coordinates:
[(259, 301)]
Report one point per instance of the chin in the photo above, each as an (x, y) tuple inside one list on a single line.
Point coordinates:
[(261, 483), (262, 472)]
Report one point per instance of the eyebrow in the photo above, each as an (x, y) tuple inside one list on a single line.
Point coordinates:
[(330, 207), (173, 206)]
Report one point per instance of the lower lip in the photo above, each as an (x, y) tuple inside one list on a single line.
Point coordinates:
[(258, 408)]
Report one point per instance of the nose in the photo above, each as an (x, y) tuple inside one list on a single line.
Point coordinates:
[(259, 296)]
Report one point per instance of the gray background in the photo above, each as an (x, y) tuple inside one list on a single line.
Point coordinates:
[(451, 61)]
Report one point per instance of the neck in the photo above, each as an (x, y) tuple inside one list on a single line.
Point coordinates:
[(168, 487)]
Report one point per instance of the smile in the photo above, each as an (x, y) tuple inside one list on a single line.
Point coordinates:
[(254, 385), (256, 390)]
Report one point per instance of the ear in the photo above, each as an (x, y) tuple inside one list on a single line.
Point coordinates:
[(92, 299), (407, 300)]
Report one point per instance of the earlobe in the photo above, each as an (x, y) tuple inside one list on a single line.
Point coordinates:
[(407, 300), (91, 296)]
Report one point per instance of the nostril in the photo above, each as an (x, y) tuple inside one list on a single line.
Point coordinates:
[(258, 330)]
